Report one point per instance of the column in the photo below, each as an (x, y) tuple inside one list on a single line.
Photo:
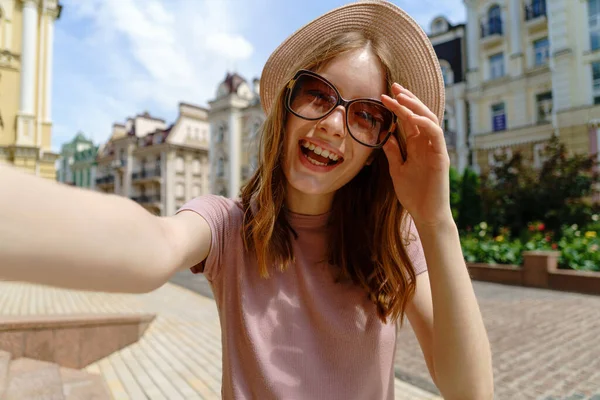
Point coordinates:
[(234, 133), (516, 47), (472, 36), (212, 159), (28, 57), (25, 118), (48, 75)]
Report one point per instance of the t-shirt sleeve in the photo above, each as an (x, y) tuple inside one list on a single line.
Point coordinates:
[(414, 247), (223, 216)]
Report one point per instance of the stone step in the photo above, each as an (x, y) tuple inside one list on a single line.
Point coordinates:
[(81, 385), (32, 380), (4, 366)]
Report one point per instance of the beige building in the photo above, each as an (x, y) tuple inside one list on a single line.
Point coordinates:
[(449, 43), (159, 166), (533, 72), (235, 118), (26, 42)]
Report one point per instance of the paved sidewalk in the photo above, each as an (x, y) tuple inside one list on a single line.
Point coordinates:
[(545, 344), (179, 357)]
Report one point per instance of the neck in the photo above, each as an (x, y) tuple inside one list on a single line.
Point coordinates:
[(307, 204)]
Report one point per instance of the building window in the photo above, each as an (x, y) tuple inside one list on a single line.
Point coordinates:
[(498, 117), (220, 134), (535, 9), (596, 82), (196, 166), (447, 72), (179, 190), (494, 22), (541, 49), (179, 164), (195, 191), (543, 102), (497, 66), (594, 23), (220, 167)]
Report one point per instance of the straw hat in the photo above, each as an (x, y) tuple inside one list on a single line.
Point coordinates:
[(379, 19)]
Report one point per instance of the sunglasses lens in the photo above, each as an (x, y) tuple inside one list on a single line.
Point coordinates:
[(312, 97), (369, 122)]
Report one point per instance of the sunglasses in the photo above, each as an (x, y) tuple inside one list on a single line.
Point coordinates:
[(312, 97)]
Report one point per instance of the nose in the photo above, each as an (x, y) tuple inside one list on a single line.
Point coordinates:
[(334, 124)]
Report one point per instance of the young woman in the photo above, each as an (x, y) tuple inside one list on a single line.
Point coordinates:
[(344, 229)]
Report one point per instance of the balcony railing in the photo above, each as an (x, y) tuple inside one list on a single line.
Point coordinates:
[(535, 10), (144, 174), (154, 198), (493, 27), (104, 180)]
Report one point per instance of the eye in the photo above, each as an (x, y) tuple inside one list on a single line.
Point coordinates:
[(321, 96), (371, 119)]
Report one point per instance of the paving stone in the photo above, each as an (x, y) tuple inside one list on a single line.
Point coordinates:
[(548, 334), (178, 357)]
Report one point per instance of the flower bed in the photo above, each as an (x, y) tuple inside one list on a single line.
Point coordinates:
[(579, 246)]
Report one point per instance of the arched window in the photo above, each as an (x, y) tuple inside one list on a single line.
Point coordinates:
[(447, 72), (495, 20)]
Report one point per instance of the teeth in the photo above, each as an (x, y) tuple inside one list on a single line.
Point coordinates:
[(318, 150), (316, 162)]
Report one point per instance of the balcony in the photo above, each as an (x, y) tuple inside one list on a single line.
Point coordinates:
[(151, 202), (535, 15), (149, 175), (491, 33), (105, 180)]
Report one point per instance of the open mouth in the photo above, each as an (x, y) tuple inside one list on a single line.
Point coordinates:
[(318, 156)]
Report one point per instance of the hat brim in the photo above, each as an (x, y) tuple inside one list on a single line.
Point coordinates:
[(421, 73)]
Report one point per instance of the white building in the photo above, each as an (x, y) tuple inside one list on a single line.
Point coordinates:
[(235, 118), (159, 166)]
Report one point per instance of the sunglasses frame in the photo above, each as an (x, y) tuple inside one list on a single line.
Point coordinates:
[(340, 102)]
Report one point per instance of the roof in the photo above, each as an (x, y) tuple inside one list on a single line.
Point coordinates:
[(232, 82)]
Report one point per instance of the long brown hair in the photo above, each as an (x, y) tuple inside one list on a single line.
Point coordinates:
[(373, 256)]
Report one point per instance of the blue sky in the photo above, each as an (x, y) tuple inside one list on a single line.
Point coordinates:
[(118, 58)]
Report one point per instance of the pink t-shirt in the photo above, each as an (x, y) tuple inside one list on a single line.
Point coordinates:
[(298, 334)]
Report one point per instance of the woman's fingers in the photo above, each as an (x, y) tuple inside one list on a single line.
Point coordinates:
[(407, 98)]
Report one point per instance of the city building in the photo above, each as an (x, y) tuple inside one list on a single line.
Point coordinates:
[(159, 166), (449, 43), (84, 168), (65, 172), (235, 118), (533, 72), (26, 46)]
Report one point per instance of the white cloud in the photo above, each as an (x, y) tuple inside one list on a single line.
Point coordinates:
[(117, 58), (230, 46)]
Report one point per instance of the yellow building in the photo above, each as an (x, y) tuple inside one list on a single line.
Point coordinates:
[(533, 72), (26, 41)]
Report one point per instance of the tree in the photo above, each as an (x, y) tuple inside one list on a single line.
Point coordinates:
[(454, 192), (469, 210), (515, 194)]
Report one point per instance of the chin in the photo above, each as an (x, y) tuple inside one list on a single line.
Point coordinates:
[(310, 185)]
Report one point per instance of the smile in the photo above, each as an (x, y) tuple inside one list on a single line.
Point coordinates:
[(318, 156)]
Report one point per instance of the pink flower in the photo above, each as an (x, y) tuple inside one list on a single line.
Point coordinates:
[(541, 226)]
